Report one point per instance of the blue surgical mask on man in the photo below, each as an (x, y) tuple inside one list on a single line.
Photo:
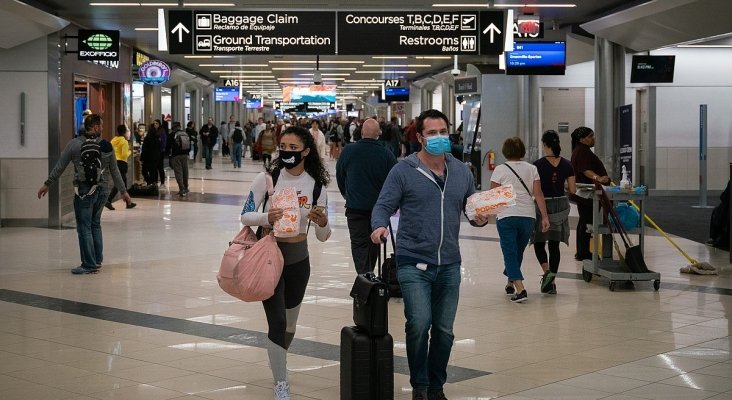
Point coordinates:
[(437, 145)]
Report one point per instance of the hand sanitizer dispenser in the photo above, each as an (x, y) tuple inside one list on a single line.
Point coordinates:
[(625, 182)]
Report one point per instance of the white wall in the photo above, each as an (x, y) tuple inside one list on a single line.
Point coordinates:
[(24, 168)]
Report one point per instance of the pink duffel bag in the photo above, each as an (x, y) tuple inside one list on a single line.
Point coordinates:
[(251, 268)]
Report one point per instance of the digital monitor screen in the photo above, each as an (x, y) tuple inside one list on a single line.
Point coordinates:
[(537, 58), (652, 69), (253, 103), (310, 94), (226, 93), (396, 94)]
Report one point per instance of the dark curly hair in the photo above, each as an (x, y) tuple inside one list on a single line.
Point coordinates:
[(550, 139), (579, 134), (313, 164)]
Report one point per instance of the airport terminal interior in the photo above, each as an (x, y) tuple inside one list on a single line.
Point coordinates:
[(153, 323)]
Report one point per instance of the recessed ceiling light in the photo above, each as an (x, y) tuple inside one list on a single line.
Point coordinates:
[(547, 5), (225, 71), (146, 29), (313, 62), (196, 56), (486, 5), (397, 65), (386, 72), (187, 4), (159, 4), (433, 57), (233, 65), (292, 69), (136, 4), (390, 57), (328, 74)]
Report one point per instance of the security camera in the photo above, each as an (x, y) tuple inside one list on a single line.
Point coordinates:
[(455, 72), (317, 78)]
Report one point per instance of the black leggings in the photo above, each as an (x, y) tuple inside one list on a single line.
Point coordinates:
[(122, 166), (288, 295), (553, 254)]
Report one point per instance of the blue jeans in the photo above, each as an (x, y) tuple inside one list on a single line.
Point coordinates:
[(236, 155), (207, 154), (88, 213), (514, 233), (430, 304)]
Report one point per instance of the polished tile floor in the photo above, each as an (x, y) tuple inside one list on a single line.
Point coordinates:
[(153, 324)]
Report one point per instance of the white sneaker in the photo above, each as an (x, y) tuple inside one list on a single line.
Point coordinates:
[(282, 390)]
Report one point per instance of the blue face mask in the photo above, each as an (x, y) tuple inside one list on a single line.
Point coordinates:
[(437, 145)]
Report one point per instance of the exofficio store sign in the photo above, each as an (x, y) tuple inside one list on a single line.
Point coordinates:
[(98, 45)]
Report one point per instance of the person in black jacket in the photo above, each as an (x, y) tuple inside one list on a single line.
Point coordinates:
[(209, 135), (361, 171), (180, 147), (150, 154)]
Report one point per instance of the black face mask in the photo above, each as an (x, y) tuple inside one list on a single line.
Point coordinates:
[(290, 159)]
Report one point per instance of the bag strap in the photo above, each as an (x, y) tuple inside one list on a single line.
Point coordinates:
[(316, 195), (271, 183), (521, 180)]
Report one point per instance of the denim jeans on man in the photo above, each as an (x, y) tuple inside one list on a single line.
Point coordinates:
[(88, 213), (236, 155), (207, 154), (514, 233), (430, 305)]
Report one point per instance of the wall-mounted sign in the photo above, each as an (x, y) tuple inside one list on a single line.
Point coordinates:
[(428, 33), (468, 85), (528, 30), (97, 45), (251, 32), (154, 72), (139, 57)]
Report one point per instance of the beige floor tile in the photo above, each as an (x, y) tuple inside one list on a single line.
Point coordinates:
[(203, 363), (676, 363), (93, 384), (104, 363), (138, 392), (195, 384), (701, 381), (239, 392), (502, 383), (657, 391), (150, 373), (51, 375), (640, 372), (161, 354), (36, 392), (559, 391), (723, 370), (13, 362), (604, 383)]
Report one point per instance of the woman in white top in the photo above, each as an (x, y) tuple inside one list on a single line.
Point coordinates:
[(319, 138), (516, 224), (298, 166)]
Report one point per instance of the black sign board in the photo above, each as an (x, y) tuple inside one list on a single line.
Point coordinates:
[(254, 32), (428, 33), (492, 32), (467, 85), (180, 31), (97, 45)]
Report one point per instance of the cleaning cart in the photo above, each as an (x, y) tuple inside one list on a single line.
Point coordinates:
[(603, 264)]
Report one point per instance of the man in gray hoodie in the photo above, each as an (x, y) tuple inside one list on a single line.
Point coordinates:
[(430, 189), (89, 198)]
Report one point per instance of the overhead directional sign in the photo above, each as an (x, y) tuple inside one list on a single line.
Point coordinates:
[(427, 33), (492, 32), (251, 32)]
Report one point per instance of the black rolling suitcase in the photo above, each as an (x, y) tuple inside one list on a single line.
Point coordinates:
[(367, 365)]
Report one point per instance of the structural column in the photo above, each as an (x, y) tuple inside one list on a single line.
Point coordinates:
[(153, 103), (609, 95), (178, 103)]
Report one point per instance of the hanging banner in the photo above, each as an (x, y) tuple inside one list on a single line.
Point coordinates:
[(625, 134)]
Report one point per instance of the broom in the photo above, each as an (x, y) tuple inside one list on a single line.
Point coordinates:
[(695, 267)]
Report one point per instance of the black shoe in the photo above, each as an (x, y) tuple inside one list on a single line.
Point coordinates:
[(583, 257), (131, 205), (520, 297), (553, 289), (419, 394), (109, 206), (436, 395), (510, 290), (82, 270)]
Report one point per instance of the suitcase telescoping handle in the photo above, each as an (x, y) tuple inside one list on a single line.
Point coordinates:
[(383, 242)]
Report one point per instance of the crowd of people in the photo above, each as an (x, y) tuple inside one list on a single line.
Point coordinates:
[(429, 187)]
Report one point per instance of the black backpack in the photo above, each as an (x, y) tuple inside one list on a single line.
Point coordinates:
[(334, 135), (386, 134), (237, 136), (91, 163)]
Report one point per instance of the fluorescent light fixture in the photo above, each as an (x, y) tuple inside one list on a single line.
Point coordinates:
[(292, 69), (136, 4), (364, 80), (472, 5), (146, 29), (328, 74), (247, 77), (502, 61), (313, 62), (706, 46), (433, 57), (397, 65), (233, 65), (384, 72), (390, 57), (196, 56), (159, 4), (525, 5), (225, 71), (188, 4)]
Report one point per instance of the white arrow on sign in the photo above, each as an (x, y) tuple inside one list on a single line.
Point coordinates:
[(493, 29), (180, 28)]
